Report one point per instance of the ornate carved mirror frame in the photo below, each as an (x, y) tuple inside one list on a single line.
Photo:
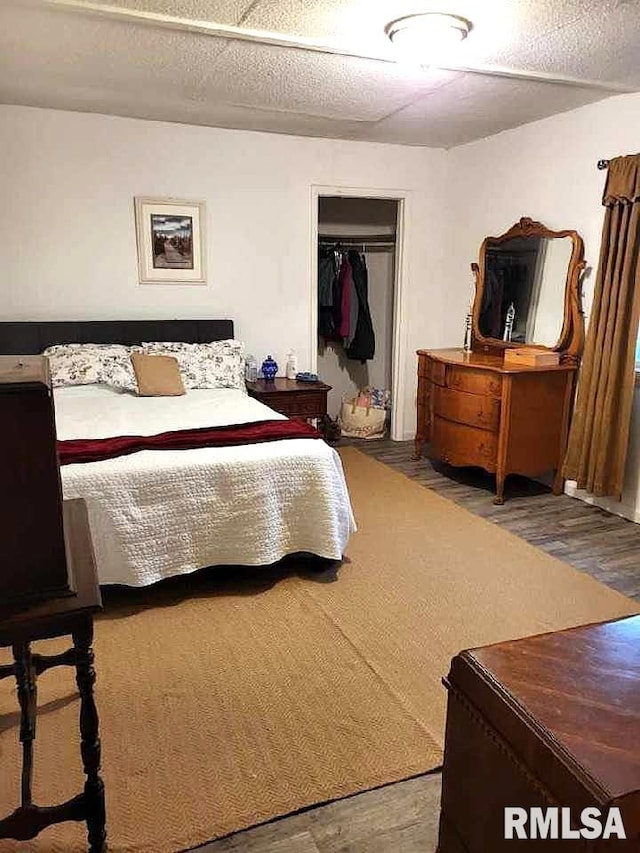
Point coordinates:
[(571, 338)]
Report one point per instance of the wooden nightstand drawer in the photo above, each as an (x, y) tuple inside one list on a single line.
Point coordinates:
[(291, 398), (298, 405)]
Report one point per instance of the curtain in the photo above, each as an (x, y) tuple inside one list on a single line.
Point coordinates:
[(599, 432)]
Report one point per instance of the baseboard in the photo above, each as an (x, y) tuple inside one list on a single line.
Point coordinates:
[(607, 504)]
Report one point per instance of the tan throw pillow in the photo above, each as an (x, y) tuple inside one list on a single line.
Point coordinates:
[(157, 375)]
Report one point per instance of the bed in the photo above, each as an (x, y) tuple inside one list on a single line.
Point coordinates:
[(158, 513)]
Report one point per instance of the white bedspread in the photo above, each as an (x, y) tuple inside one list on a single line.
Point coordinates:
[(158, 513)]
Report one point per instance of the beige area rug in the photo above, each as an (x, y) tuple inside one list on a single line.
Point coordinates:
[(232, 697)]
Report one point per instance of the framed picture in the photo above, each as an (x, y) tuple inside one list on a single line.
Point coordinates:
[(171, 241)]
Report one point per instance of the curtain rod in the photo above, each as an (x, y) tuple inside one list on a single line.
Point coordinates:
[(603, 164)]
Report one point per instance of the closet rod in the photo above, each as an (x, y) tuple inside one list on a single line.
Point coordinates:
[(367, 248), (357, 239)]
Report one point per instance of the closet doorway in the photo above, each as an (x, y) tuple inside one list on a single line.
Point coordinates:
[(363, 233)]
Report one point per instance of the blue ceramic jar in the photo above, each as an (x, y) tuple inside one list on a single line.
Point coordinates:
[(269, 369)]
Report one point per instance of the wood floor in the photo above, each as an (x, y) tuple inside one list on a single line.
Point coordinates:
[(400, 818), (403, 818), (603, 545)]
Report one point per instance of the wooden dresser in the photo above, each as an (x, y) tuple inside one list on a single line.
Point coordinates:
[(474, 410)]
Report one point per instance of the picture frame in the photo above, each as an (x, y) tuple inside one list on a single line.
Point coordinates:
[(171, 240)]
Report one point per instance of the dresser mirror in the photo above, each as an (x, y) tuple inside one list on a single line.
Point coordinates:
[(528, 289)]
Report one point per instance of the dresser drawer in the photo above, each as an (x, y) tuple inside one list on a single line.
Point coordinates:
[(465, 408), (432, 370), (437, 372), (473, 381), (460, 444), (424, 367)]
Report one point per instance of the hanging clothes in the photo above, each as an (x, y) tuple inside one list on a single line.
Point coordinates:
[(363, 344), (491, 323), (343, 302), (327, 290), (505, 280), (354, 310), (346, 288)]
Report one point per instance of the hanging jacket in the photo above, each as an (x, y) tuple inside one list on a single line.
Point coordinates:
[(346, 286), (327, 287), (353, 315), (363, 344)]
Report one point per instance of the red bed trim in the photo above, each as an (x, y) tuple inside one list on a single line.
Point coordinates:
[(97, 449)]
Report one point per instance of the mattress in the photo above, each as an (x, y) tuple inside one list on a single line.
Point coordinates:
[(158, 513)]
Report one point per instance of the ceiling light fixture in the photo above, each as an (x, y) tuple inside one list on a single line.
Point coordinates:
[(426, 37)]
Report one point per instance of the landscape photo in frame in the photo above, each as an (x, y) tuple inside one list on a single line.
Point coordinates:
[(171, 241)]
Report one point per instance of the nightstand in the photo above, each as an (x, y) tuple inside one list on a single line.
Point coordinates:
[(292, 398)]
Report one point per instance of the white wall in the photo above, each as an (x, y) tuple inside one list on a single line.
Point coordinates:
[(545, 170), (69, 240), (69, 180)]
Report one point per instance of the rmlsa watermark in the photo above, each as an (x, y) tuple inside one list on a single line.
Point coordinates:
[(555, 823)]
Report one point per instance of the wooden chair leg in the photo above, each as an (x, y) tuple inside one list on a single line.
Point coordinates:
[(89, 737), (28, 698)]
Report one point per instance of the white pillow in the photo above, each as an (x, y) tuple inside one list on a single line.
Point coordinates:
[(219, 364), (91, 364)]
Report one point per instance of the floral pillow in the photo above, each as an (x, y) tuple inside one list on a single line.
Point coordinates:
[(219, 364), (91, 364)]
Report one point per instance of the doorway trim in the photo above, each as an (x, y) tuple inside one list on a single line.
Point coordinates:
[(399, 344)]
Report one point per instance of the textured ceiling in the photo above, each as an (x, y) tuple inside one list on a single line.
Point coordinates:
[(147, 66)]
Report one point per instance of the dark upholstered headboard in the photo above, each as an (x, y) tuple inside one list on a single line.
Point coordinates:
[(27, 338)]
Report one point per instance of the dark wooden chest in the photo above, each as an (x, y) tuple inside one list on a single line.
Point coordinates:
[(32, 562), (551, 720)]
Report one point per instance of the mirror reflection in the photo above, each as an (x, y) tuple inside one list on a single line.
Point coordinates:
[(524, 289)]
